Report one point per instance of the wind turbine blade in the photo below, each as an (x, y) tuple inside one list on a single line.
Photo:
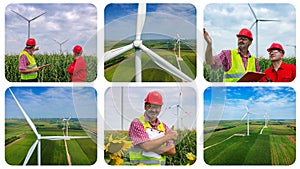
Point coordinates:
[(252, 11), (56, 41), (253, 25), (65, 41), (115, 52), (140, 20), (37, 16), (244, 116), (78, 137), (171, 107), (20, 15), (266, 20), (246, 107), (165, 65), (31, 150), (53, 137), (31, 124)]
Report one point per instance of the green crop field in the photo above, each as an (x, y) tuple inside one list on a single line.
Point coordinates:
[(122, 68), (255, 149), (57, 72), (82, 151)]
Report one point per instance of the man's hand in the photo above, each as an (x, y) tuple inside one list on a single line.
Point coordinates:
[(172, 134), (207, 37)]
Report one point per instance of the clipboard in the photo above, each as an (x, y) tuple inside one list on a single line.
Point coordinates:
[(43, 66), (251, 77)]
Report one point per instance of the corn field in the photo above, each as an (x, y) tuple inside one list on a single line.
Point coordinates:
[(217, 75), (57, 72)]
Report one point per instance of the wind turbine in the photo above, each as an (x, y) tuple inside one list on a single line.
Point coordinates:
[(294, 46), (28, 20), (37, 143), (256, 26), (67, 125), (178, 41), (60, 44), (247, 114), (137, 44), (266, 119)]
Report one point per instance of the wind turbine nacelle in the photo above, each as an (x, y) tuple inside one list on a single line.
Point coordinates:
[(137, 43)]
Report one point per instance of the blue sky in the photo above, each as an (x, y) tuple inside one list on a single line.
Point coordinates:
[(162, 20), (76, 22), (228, 103), (133, 106), (224, 21), (52, 102)]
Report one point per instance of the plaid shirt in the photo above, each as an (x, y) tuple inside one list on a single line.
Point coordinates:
[(138, 134)]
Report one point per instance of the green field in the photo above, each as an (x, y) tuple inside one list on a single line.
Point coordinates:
[(82, 151), (275, 146), (121, 68)]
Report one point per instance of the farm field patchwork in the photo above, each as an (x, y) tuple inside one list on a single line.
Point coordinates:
[(53, 152), (255, 149)]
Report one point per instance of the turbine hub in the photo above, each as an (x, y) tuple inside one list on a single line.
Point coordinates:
[(137, 43)]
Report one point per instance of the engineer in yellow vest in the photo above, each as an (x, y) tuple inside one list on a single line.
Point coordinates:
[(27, 65), (152, 139), (235, 62)]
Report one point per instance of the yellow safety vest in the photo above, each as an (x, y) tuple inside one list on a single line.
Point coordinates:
[(32, 64), (237, 69), (135, 154)]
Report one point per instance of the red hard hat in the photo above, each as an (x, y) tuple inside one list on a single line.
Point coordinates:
[(30, 42), (154, 98), (77, 49), (245, 32), (275, 46)]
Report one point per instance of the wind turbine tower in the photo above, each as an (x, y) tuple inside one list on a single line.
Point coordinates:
[(256, 26), (67, 125), (266, 119), (137, 44), (247, 114), (28, 20), (179, 42), (60, 44)]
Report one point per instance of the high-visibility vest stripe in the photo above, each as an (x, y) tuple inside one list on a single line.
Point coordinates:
[(32, 64), (135, 154), (237, 69)]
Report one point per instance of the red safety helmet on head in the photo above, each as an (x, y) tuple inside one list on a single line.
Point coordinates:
[(77, 49), (245, 32), (30, 42), (275, 46), (154, 98)]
